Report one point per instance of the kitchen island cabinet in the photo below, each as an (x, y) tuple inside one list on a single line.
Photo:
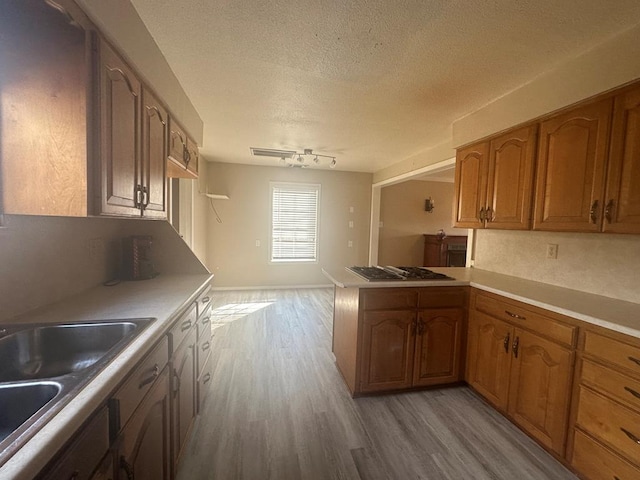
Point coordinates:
[(388, 339)]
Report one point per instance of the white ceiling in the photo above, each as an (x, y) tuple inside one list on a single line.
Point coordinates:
[(371, 82)]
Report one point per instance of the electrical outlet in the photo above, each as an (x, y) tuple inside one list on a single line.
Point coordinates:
[(257, 243), (552, 250)]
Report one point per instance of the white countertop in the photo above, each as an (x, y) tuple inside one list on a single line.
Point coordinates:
[(161, 298), (606, 312)]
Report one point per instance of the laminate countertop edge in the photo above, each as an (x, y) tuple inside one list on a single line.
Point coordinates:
[(162, 298), (616, 315)]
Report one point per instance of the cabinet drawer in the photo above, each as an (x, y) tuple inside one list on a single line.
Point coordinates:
[(615, 425), (85, 452), (126, 399), (437, 297), (204, 300), (613, 351), (181, 328), (389, 298), (612, 383), (204, 380), (204, 325), (596, 462), (515, 313)]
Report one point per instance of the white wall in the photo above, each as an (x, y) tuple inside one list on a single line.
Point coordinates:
[(232, 254), (405, 222)]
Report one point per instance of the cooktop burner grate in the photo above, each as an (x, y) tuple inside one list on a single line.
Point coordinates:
[(397, 273)]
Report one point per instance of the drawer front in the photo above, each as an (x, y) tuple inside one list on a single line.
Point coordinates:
[(389, 298), (204, 300), (86, 451), (182, 327), (597, 462), (126, 399), (438, 297), (204, 325), (524, 318), (612, 383), (204, 350), (613, 351), (614, 425), (204, 381)]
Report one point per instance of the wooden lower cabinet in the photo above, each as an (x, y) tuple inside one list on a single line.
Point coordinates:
[(437, 346), (523, 374), (388, 350), (143, 445)]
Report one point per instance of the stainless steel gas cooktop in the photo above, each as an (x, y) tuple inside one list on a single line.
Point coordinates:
[(389, 273)]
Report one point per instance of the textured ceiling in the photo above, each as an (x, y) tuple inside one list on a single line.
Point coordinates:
[(372, 82)]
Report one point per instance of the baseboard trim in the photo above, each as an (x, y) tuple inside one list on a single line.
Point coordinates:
[(273, 287)]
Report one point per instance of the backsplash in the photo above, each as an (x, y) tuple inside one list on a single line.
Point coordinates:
[(46, 259), (603, 264)]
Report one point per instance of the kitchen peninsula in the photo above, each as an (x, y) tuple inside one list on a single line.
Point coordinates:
[(528, 348)]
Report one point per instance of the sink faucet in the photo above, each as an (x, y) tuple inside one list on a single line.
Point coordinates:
[(3, 332)]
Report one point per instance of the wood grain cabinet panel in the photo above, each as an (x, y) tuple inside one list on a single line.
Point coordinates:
[(437, 355), (120, 97), (572, 155), (595, 462), (154, 154), (541, 374), (622, 208), (388, 347), (471, 186), (183, 156), (488, 359)]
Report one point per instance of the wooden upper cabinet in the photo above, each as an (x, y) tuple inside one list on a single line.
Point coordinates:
[(572, 154), (120, 92), (471, 186), (510, 179), (622, 207), (154, 153), (43, 113), (494, 181), (183, 157)]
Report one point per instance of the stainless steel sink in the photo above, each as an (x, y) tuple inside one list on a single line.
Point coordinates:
[(52, 351), (43, 366), (20, 402)]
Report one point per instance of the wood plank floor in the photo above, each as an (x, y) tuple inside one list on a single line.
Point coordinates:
[(278, 409)]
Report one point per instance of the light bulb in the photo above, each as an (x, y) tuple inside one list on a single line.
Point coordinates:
[(333, 163)]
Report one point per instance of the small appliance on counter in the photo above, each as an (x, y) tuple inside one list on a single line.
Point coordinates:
[(136, 261)]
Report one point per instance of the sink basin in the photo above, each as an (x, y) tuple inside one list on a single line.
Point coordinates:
[(20, 402), (43, 366), (52, 351)]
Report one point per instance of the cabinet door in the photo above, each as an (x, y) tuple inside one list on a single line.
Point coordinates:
[(387, 350), (183, 394), (541, 376), (120, 119), (193, 155), (571, 169), (622, 210), (471, 186), (510, 180), (488, 358), (437, 354), (144, 443), (154, 155)]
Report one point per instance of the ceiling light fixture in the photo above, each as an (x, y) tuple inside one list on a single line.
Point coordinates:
[(289, 158)]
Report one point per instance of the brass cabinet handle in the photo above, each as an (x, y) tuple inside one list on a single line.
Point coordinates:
[(154, 374), (514, 347), (593, 213), (632, 392), (206, 378), (634, 360), (489, 214), (186, 325), (206, 300), (420, 326), (176, 377), (137, 196), (206, 346), (482, 216), (506, 342), (608, 211), (145, 197), (127, 467), (206, 320), (630, 435), (515, 315)]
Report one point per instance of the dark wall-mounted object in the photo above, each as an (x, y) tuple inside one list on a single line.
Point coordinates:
[(428, 205)]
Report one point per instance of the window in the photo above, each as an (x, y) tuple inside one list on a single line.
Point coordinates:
[(294, 222)]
